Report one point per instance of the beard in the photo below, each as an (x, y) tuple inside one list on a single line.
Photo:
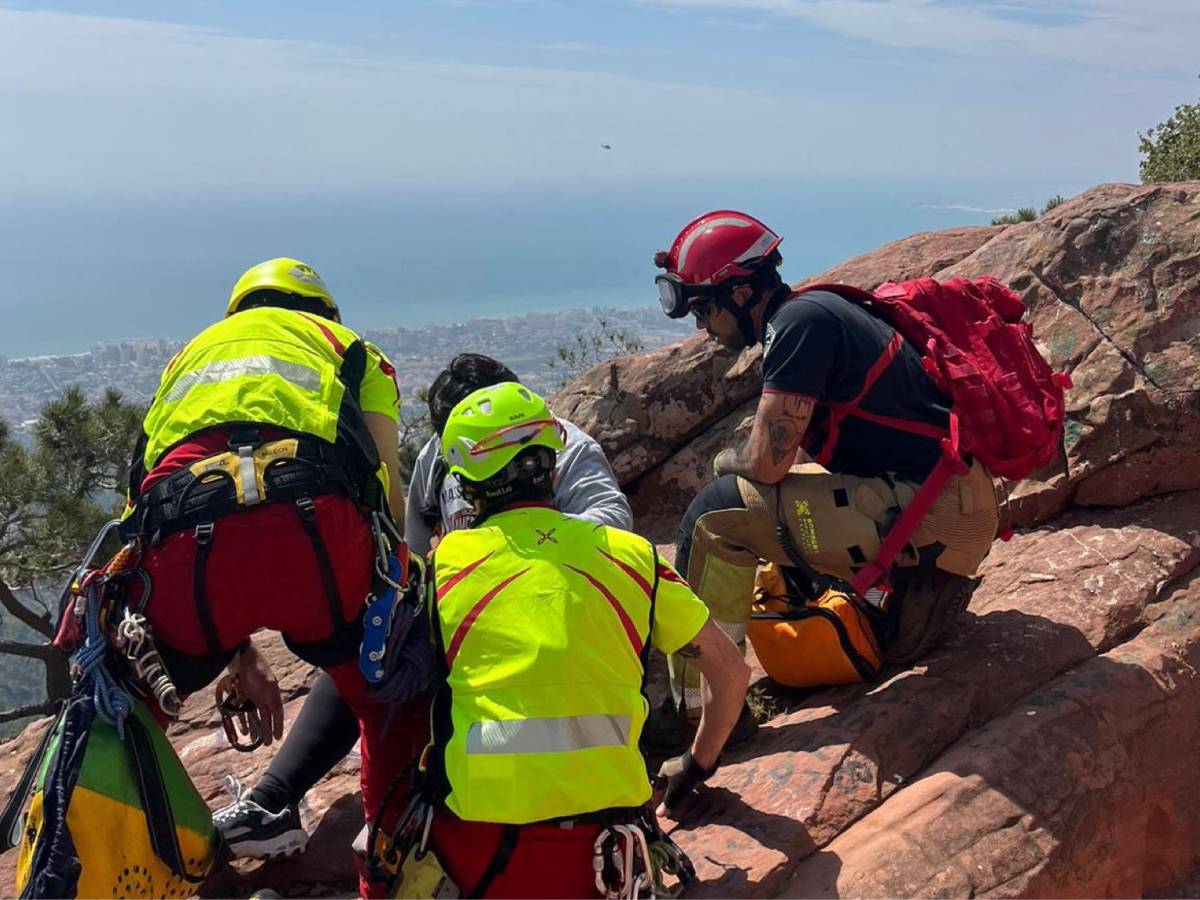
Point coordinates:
[(733, 341)]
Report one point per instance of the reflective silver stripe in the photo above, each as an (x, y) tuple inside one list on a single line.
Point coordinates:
[(559, 735), (226, 369), (735, 221), (246, 470)]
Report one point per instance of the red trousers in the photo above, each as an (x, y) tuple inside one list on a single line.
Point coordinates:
[(262, 572), (546, 861)]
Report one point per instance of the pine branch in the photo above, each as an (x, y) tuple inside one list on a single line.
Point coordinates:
[(45, 708), (40, 624), (20, 648)]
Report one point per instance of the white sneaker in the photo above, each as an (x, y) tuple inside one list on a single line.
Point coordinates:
[(256, 833)]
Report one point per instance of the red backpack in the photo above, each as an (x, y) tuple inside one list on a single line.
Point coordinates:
[(1006, 404)]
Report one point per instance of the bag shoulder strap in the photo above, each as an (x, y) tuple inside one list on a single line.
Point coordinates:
[(12, 819), (156, 804)]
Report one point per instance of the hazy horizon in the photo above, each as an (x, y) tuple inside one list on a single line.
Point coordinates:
[(164, 269)]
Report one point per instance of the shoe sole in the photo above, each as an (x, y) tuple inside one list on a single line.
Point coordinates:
[(290, 843)]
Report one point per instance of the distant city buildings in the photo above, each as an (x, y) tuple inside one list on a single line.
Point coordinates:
[(526, 343)]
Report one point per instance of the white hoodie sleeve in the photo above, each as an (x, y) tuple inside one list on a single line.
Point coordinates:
[(585, 486), (421, 498)]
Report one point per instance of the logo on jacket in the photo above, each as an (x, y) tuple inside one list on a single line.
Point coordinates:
[(544, 536)]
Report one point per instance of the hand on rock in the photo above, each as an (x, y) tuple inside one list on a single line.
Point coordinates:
[(677, 780)]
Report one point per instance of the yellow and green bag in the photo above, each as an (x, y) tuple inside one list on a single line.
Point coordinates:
[(826, 641), (109, 817)]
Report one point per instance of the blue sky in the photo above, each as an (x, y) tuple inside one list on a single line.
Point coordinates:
[(451, 148)]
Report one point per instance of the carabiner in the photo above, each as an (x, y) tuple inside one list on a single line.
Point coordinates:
[(236, 710)]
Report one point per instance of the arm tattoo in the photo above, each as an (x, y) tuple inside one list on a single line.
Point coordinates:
[(786, 431), (690, 651)]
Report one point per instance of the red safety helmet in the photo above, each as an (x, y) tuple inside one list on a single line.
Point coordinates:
[(710, 250)]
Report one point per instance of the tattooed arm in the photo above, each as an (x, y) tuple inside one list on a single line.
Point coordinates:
[(779, 425), (726, 676)]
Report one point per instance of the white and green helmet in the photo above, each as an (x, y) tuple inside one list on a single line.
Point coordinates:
[(488, 428)]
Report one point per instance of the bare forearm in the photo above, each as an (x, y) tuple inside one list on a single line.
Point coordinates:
[(779, 426), (387, 445), (726, 676)]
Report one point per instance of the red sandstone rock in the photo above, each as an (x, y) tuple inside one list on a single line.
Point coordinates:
[(1085, 788)]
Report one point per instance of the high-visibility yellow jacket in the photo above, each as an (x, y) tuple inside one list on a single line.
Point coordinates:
[(267, 366), (544, 621), (274, 367)]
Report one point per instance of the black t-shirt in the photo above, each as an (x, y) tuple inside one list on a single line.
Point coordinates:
[(821, 345)]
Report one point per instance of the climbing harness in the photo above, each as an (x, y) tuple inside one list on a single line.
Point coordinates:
[(627, 865), (239, 716)]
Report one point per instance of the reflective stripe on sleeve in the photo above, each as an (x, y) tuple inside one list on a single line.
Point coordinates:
[(558, 735)]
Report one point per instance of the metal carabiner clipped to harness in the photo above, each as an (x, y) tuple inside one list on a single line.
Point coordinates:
[(238, 716)]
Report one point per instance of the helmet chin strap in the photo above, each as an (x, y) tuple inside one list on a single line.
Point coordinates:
[(741, 314)]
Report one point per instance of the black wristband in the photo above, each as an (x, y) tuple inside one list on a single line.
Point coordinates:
[(692, 769), (684, 781)]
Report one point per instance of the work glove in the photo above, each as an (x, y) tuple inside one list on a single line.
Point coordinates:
[(680, 776)]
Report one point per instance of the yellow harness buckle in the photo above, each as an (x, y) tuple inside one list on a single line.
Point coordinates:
[(246, 468)]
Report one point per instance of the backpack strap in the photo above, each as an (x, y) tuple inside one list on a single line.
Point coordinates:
[(156, 804), (12, 820), (949, 465), (839, 411)]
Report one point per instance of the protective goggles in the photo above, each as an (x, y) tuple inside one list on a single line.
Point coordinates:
[(678, 299)]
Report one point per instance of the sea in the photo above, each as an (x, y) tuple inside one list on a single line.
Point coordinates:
[(81, 269)]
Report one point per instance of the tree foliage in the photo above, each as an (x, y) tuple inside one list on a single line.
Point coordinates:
[(1170, 151), (54, 496), (415, 429), (591, 348)]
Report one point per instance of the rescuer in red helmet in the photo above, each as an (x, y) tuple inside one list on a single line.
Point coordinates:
[(846, 431)]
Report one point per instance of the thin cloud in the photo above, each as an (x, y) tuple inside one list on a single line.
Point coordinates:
[(967, 207), (98, 105), (569, 47), (739, 24), (1153, 36)]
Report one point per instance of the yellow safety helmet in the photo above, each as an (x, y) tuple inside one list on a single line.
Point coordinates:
[(488, 428), (289, 276)]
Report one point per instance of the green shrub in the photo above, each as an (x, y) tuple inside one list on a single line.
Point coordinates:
[(1024, 214), (1056, 200)]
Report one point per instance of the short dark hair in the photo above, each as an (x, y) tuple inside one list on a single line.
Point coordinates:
[(285, 300), (463, 376)]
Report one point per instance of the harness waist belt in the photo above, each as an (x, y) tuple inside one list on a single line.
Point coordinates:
[(239, 478)]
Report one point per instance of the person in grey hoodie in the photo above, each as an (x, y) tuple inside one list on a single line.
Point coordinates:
[(264, 821), (584, 484)]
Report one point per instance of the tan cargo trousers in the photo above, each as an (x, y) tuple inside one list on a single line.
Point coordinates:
[(835, 521)]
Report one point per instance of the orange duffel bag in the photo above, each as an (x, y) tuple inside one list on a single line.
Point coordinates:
[(811, 643)]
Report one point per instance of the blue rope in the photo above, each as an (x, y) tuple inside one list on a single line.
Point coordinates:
[(112, 702)]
